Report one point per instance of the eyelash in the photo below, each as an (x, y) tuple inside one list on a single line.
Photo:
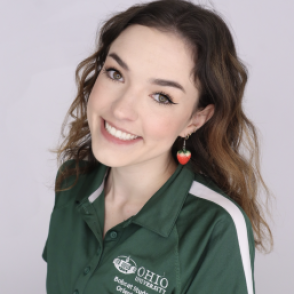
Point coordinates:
[(167, 96)]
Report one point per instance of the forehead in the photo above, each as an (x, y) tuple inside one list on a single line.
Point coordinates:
[(154, 53)]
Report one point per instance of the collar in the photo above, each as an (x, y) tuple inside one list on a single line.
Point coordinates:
[(94, 184), (161, 211)]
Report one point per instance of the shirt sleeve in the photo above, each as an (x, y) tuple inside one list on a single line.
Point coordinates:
[(44, 254), (227, 264)]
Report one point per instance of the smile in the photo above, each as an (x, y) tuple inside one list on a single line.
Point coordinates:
[(118, 133)]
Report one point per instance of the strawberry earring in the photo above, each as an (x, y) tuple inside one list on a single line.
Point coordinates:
[(184, 155)]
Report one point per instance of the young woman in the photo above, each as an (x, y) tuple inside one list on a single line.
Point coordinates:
[(158, 189)]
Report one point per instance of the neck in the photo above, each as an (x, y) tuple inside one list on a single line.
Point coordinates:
[(135, 184)]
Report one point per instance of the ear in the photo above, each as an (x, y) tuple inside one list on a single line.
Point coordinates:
[(198, 119)]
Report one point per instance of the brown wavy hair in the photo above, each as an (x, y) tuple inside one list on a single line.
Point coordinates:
[(225, 148)]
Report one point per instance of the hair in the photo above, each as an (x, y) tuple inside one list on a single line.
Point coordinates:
[(225, 148)]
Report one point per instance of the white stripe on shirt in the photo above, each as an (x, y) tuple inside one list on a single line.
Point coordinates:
[(201, 191)]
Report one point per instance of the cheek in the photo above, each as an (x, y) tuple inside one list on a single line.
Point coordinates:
[(163, 128), (93, 108), (96, 103)]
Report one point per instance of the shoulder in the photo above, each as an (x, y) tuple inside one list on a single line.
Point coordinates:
[(71, 164), (216, 235), (69, 167), (209, 210), (73, 184), (205, 195)]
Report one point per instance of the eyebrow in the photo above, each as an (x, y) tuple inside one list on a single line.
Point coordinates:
[(159, 82)]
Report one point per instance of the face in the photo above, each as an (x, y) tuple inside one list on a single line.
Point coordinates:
[(145, 92)]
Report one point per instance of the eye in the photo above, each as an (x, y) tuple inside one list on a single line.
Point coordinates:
[(163, 98), (113, 74)]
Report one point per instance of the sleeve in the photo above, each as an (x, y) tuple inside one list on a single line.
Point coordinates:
[(44, 254), (67, 163), (227, 263)]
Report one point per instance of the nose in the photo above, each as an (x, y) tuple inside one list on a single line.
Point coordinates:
[(125, 106)]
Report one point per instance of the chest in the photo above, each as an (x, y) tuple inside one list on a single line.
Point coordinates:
[(134, 260)]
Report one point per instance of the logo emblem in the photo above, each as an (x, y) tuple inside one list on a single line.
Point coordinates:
[(125, 264)]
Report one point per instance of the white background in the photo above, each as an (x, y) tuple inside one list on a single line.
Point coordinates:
[(42, 41)]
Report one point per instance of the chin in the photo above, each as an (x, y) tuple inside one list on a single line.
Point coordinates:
[(110, 160)]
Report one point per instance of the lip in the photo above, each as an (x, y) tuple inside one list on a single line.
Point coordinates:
[(115, 140)]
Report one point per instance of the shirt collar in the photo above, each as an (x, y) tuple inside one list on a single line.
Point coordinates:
[(160, 212)]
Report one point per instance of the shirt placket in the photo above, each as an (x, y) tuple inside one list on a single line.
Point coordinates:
[(87, 211), (91, 213)]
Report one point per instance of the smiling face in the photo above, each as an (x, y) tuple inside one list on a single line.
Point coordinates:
[(145, 89)]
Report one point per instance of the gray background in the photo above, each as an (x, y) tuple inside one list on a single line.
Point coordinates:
[(42, 41)]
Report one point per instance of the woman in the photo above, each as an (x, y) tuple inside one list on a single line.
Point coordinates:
[(158, 197)]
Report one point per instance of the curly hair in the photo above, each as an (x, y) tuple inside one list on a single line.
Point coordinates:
[(225, 148)]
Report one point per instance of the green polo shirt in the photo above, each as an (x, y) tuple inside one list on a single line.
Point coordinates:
[(188, 238)]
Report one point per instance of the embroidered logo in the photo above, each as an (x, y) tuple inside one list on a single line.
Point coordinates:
[(125, 264)]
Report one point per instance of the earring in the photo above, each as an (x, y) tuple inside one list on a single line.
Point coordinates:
[(184, 155)]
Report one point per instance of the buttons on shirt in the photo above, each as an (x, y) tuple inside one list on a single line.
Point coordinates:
[(113, 234), (76, 291), (87, 270)]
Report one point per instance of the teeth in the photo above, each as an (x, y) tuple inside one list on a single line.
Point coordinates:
[(119, 134)]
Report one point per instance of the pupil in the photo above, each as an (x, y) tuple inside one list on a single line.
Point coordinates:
[(163, 99), (117, 75)]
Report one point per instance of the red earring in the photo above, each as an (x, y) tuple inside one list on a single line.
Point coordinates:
[(184, 155)]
